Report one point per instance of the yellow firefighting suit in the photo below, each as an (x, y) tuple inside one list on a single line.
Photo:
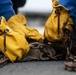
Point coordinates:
[(13, 36), (57, 22)]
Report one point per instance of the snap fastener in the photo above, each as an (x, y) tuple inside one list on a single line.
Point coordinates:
[(0, 32), (57, 11), (6, 30)]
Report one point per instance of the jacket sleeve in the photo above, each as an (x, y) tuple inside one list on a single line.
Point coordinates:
[(6, 9), (71, 5)]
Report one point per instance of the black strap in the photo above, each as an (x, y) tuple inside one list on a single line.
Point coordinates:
[(4, 41), (58, 13)]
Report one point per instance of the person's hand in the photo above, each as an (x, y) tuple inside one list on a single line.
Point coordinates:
[(13, 45), (18, 23)]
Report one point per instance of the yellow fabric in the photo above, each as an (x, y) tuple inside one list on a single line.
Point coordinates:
[(18, 24), (51, 26), (54, 2), (16, 45)]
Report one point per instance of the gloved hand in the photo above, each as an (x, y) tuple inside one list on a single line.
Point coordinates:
[(18, 24), (57, 22), (12, 44)]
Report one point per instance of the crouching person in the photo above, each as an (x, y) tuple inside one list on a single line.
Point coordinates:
[(58, 31), (71, 5), (12, 44), (14, 34)]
